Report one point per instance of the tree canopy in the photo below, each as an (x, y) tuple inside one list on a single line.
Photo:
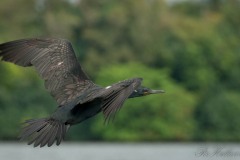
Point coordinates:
[(189, 49)]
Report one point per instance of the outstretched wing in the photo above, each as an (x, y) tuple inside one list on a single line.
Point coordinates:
[(55, 61), (115, 95)]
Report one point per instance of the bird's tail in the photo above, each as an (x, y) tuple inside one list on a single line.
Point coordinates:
[(44, 131)]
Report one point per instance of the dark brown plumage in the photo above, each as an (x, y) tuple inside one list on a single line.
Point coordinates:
[(77, 96)]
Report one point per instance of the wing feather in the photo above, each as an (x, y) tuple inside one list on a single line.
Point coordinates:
[(115, 96), (55, 61)]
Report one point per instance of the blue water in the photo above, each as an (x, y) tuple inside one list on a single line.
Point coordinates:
[(121, 151)]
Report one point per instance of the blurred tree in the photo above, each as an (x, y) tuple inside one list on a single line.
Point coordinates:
[(118, 31), (18, 19), (189, 49), (148, 118), (218, 116), (22, 96)]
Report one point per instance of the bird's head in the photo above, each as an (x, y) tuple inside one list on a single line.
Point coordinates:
[(143, 91)]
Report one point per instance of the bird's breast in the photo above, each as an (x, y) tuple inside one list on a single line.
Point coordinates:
[(84, 111)]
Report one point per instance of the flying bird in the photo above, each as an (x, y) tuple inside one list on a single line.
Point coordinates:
[(78, 98)]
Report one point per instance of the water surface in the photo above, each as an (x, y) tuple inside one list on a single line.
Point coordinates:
[(121, 151)]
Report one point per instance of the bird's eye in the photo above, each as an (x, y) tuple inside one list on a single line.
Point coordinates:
[(145, 89)]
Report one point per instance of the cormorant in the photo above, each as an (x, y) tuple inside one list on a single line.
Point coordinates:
[(77, 96)]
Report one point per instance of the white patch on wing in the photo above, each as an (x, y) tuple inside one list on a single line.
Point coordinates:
[(135, 90), (60, 63), (108, 87)]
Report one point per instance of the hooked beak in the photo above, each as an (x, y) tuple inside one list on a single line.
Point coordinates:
[(156, 91)]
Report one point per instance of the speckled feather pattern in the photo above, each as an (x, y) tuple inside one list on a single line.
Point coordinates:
[(54, 60)]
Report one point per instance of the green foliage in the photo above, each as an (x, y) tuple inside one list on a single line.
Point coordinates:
[(189, 49), (218, 116), (22, 96), (155, 117)]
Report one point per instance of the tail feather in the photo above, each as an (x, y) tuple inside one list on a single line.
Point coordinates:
[(31, 128), (53, 136), (59, 135), (48, 136), (45, 131)]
